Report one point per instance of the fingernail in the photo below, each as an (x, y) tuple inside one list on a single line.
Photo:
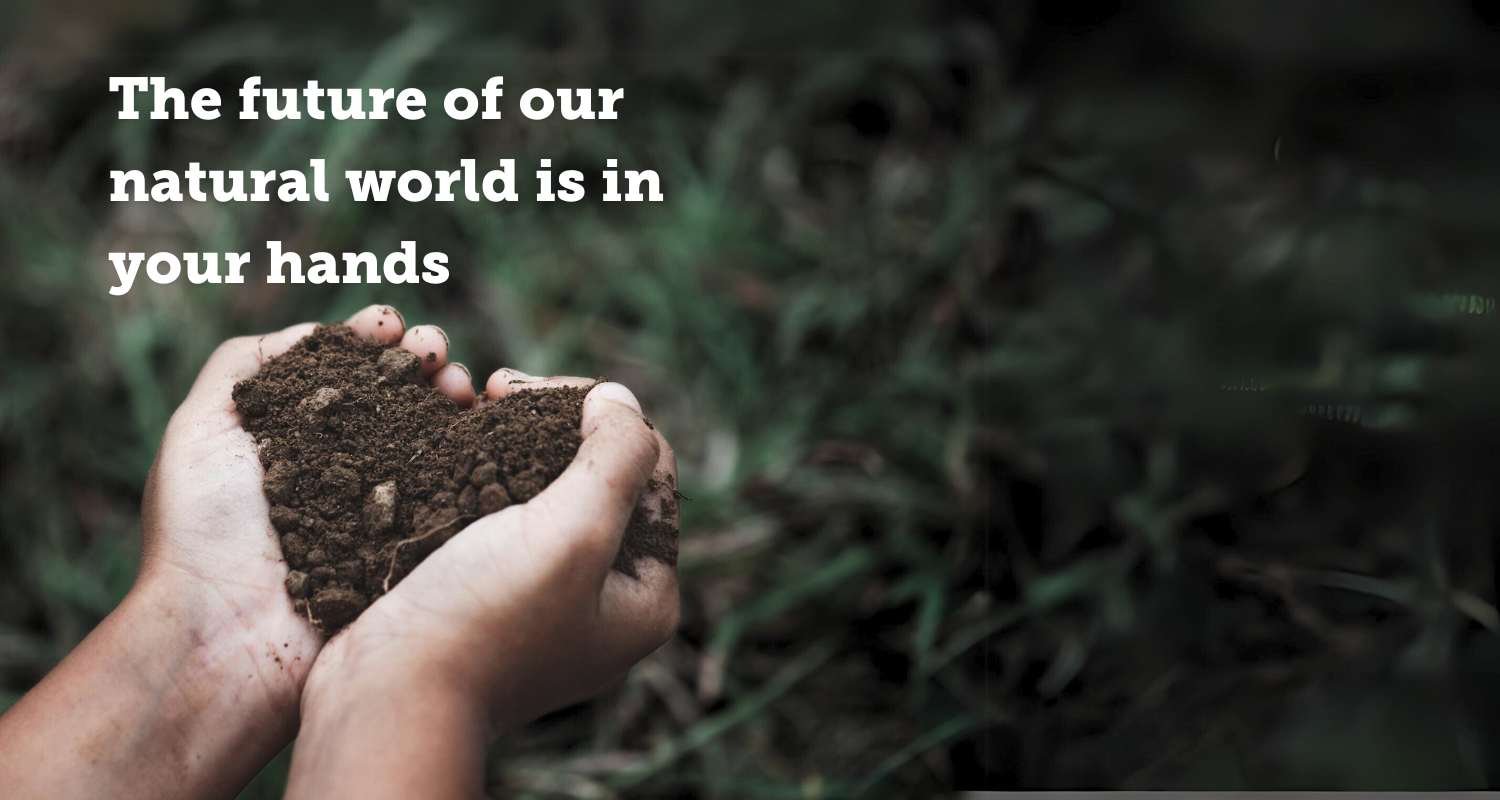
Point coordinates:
[(516, 375), (616, 393), (397, 312)]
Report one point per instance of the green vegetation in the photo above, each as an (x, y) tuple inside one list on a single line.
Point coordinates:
[(986, 339)]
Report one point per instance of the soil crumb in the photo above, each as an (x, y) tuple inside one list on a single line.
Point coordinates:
[(368, 469)]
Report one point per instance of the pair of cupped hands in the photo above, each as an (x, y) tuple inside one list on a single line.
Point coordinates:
[(515, 616)]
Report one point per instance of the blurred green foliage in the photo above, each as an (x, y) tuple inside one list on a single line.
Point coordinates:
[(998, 344)]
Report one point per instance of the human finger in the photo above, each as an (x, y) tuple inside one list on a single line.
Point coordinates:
[(455, 382), (638, 615), (507, 381), (582, 515), (237, 359), (430, 344), (380, 323)]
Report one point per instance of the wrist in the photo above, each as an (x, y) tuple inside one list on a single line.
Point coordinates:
[(355, 669), (369, 714), (221, 646), (161, 700)]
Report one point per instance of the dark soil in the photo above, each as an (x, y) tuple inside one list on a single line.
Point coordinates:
[(368, 469)]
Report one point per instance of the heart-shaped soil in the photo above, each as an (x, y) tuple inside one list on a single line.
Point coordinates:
[(368, 469)]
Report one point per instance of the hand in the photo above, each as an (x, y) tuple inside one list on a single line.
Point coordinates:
[(515, 616), (209, 547), (521, 608), (193, 683)]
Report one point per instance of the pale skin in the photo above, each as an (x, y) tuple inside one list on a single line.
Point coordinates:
[(204, 672)]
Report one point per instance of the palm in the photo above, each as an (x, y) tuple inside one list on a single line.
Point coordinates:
[(516, 579), (206, 520), (215, 523), (213, 530), (485, 563)]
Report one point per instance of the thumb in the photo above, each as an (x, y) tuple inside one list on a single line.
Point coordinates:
[(586, 509), (236, 360)]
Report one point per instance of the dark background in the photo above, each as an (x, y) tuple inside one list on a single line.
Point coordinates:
[(1068, 395)]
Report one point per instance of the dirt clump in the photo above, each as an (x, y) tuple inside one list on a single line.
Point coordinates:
[(368, 469)]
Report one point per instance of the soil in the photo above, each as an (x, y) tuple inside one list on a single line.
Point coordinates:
[(368, 469)]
